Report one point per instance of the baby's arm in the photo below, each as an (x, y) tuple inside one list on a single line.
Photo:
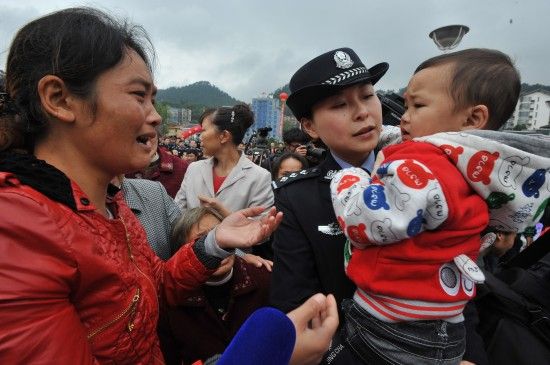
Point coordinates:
[(403, 199)]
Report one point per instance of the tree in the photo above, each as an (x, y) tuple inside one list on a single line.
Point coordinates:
[(162, 109), (520, 127), (289, 124), (2, 78)]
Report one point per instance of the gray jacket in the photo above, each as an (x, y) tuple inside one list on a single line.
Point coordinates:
[(156, 211), (246, 185)]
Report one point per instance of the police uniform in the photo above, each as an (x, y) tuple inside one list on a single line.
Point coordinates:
[(308, 245)]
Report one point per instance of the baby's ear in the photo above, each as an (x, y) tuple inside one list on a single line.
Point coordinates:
[(477, 118)]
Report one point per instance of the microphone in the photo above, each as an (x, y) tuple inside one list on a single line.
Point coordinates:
[(266, 338)]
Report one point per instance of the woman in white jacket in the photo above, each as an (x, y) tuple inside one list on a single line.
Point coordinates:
[(228, 175)]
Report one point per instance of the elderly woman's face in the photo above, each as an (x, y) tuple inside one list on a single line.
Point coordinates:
[(203, 226), (121, 136)]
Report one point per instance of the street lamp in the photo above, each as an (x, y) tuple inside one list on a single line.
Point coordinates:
[(282, 96), (448, 37)]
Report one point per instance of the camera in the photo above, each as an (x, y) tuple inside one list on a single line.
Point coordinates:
[(257, 145), (262, 132), (315, 152), (393, 107), (260, 137)]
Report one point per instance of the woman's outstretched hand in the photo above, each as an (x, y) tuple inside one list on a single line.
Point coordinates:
[(239, 230)]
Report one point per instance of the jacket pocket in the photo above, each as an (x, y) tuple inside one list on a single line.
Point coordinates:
[(127, 314)]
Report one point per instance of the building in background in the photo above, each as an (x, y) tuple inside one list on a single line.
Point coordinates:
[(266, 110), (532, 111), (180, 116)]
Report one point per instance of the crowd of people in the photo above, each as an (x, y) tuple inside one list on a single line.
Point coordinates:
[(296, 147), (425, 243)]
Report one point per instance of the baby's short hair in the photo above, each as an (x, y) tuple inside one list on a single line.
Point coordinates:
[(482, 76)]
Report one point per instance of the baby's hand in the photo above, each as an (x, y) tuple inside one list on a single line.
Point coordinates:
[(379, 159)]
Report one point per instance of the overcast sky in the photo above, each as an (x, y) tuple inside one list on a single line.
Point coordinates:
[(246, 47)]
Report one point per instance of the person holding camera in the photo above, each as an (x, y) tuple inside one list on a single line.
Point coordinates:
[(296, 141), (257, 147)]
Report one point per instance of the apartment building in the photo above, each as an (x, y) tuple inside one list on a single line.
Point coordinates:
[(532, 111)]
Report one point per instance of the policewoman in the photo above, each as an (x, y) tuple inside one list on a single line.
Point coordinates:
[(333, 98)]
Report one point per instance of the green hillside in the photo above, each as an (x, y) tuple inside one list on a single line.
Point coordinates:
[(203, 94), (197, 97)]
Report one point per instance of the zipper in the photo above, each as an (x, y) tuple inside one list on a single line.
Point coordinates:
[(130, 311), (131, 255)]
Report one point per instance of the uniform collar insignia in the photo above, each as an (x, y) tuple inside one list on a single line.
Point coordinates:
[(330, 174), (332, 229)]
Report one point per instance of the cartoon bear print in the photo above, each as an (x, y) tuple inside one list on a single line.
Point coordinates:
[(375, 198), (452, 151), (346, 195), (497, 199), (346, 181), (510, 169), (415, 225), (533, 183), (413, 175), (357, 234), (481, 165), (401, 198), (381, 232), (437, 207), (353, 209)]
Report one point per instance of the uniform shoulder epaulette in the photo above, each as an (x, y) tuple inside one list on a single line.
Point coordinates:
[(295, 176)]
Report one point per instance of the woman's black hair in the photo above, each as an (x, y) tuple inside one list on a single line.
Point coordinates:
[(236, 120), (206, 113), (75, 44), (295, 135), (285, 156)]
